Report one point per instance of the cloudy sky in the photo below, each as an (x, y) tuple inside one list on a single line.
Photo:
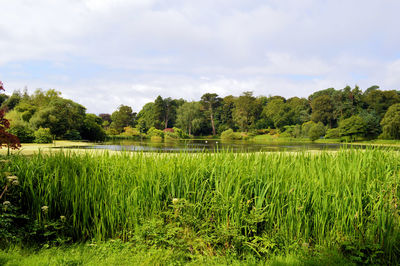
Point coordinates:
[(103, 53)]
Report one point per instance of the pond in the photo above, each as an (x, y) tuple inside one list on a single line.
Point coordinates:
[(197, 145)]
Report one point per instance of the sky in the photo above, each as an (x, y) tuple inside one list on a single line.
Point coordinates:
[(104, 53)]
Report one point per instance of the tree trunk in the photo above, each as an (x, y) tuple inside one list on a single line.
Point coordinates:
[(212, 121)]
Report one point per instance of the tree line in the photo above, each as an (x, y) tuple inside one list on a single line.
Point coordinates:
[(348, 113)]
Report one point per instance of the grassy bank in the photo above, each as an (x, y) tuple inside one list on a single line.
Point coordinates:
[(225, 204)]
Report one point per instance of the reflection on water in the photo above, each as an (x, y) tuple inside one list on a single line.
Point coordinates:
[(210, 145)]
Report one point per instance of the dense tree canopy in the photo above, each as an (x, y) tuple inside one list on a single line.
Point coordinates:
[(391, 122), (348, 113)]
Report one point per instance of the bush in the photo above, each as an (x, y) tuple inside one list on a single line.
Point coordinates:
[(153, 132), (111, 131), (43, 135), (72, 135), (156, 139), (130, 132), (316, 131), (174, 134), (230, 135), (23, 132), (332, 133)]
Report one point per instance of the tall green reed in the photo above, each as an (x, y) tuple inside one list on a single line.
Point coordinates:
[(319, 199)]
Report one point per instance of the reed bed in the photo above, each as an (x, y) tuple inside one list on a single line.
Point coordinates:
[(303, 199)]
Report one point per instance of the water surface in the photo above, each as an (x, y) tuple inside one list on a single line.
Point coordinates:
[(197, 145)]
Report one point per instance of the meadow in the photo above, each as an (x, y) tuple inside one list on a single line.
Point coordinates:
[(207, 207)]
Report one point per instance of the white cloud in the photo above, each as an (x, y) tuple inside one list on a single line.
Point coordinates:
[(145, 48)]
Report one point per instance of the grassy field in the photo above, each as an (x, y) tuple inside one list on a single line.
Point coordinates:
[(214, 206)]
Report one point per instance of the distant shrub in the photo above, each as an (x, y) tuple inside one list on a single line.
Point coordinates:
[(72, 134), (130, 131), (293, 131), (230, 135), (156, 138), (43, 135), (153, 132), (316, 131), (111, 131), (23, 132), (332, 133)]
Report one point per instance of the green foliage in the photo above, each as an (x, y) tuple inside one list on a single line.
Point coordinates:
[(91, 128), (146, 118), (316, 131), (164, 112), (379, 101), (353, 127), (43, 135), (60, 115), (391, 123), (189, 117), (247, 109), (230, 135), (24, 133), (305, 129), (175, 134), (122, 117), (131, 132), (152, 132), (322, 109), (373, 127), (332, 133), (278, 111), (72, 134), (210, 102), (256, 204), (12, 101)]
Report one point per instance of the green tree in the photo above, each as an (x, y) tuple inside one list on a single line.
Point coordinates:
[(300, 110), (225, 113), (12, 101), (322, 110), (147, 117), (380, 101), (122, 117), (60, 115), (347, 102), (391, 122), (210, 102), (43, 135), (165, 112), (189, 116), (316, 131), (353, 127), (278, 112), (247, 109), (91, 128)]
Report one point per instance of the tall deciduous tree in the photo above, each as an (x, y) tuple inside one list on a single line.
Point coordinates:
[(322, 109), (391, 122), (247, 108), (122, 117), (380, 101), (165, 111), (278, 112), (210, 102), (60, 115), (352, 127), (189, 116)]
